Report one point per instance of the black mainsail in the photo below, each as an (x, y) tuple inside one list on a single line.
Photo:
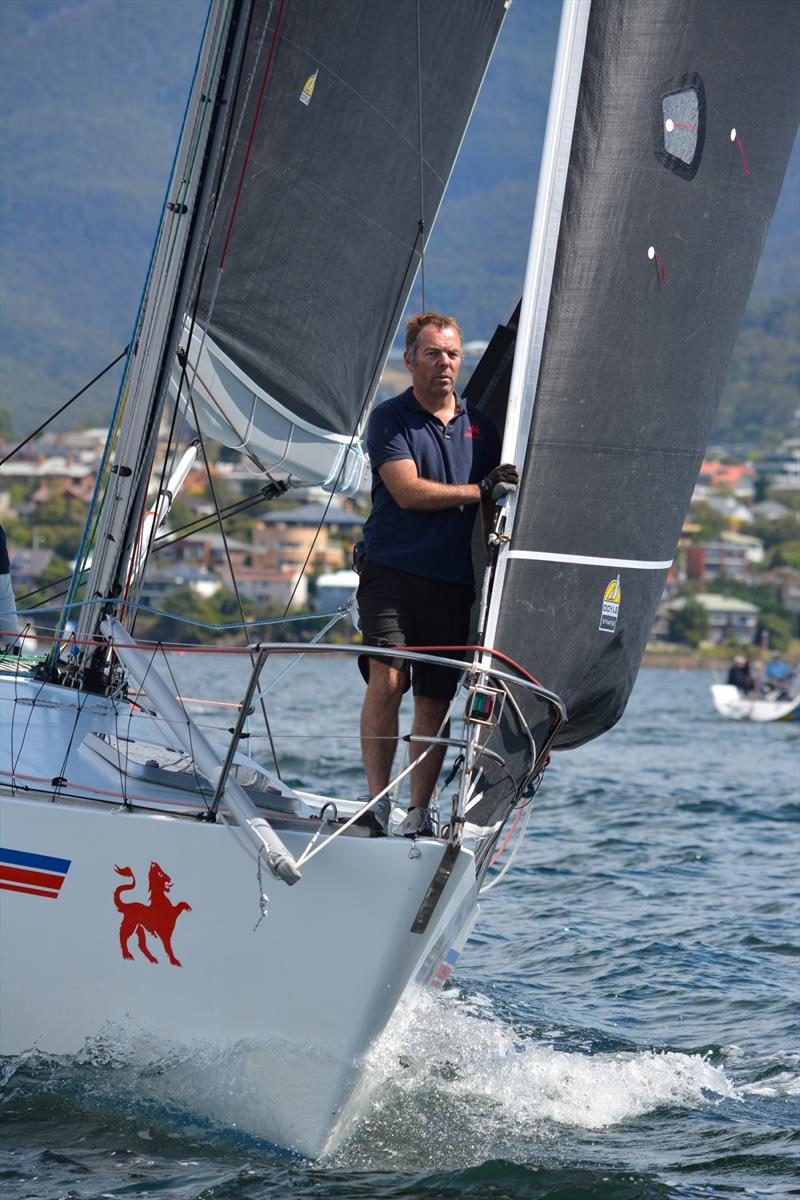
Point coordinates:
[(322, 213), (685, 115)]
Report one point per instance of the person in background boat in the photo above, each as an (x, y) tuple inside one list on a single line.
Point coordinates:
[(9, 625), (434, 462), (739, 675), (778, 676)]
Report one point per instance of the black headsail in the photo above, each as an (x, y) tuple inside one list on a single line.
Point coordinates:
[(685, 115), (317, 231)]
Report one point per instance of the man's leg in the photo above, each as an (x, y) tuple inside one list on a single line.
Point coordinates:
[(428, 717), (379, 722)]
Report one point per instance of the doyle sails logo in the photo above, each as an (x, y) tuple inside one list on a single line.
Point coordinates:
[(34, 874), (157, 917), (610, 610), (308, 89)]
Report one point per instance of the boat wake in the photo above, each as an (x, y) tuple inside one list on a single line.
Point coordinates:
[(478, 1087), (446, 1064)]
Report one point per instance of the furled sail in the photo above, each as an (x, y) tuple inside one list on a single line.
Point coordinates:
[(316, 234), (685, 114)]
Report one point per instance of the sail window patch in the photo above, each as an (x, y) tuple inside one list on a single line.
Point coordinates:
[(681, 126)]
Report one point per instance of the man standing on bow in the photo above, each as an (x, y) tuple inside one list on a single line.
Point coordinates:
[(433, 463)]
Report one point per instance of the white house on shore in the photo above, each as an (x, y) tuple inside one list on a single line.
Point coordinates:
[(729, 618)]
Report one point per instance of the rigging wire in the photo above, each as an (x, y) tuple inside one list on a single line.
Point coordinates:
[(154, 294), (270, 491), (197, 284), (173, 536), (198, 289), (421, 160), (236, 593), (368, 394), (256, 117), (217, 518), (64, 406)]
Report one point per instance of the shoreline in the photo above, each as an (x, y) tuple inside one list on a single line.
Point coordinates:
[(684, 662)]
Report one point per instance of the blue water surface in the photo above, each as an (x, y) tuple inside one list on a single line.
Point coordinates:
[(623, 1023)]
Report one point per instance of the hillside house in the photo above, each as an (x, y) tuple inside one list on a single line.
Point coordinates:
[(729, 619), (286, 538)]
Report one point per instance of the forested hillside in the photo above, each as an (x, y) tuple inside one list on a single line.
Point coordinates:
[(81, 197), (760, 403)]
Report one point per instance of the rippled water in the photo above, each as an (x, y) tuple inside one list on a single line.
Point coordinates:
[(623, 1024)]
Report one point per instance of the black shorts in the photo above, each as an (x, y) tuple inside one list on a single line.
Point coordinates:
[(399, 609)]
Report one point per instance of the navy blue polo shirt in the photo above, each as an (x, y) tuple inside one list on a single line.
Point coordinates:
[(433, 544)]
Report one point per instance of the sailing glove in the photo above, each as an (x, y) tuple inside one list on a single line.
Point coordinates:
[(499, 482)]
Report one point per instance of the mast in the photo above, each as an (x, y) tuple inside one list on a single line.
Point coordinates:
[(144, 384)]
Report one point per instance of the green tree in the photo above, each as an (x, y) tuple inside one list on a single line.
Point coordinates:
[(778, 630), (785, 554), (57, 569), (772, 533), (764, 376), (711, 522), (689, 624), (18, 532)]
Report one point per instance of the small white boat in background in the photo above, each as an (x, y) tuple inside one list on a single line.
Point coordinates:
[(729, 702)]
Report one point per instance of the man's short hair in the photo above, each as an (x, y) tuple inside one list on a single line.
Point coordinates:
[(416, 324)]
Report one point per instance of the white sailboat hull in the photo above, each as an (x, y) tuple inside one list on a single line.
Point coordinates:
[(303, 992), (729, 702)]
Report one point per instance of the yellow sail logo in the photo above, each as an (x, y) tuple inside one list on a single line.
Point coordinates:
[(308, 88), (612, 598), (613, 591)]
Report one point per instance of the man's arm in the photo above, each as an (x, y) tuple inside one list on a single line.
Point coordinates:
[(408, 490)]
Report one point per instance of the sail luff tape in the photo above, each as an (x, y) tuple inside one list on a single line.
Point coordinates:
[(587, 560)]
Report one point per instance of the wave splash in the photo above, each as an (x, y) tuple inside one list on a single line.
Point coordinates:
[(472, 1082)]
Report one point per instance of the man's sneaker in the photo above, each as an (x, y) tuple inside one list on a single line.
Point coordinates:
[(376, 819), (417, 824)]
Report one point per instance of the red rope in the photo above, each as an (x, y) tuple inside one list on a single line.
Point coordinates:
[(251, 139), (477, 650), (660, 268), (185, 648), (499, 852), (740, 144)]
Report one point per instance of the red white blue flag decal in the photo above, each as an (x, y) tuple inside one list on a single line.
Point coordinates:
[(445, 968), (37, 874)]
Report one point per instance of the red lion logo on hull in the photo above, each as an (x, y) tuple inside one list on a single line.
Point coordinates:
[(158, 916)]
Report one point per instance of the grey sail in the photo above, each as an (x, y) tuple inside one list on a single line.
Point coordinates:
[(316, 235), (685, 118)]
